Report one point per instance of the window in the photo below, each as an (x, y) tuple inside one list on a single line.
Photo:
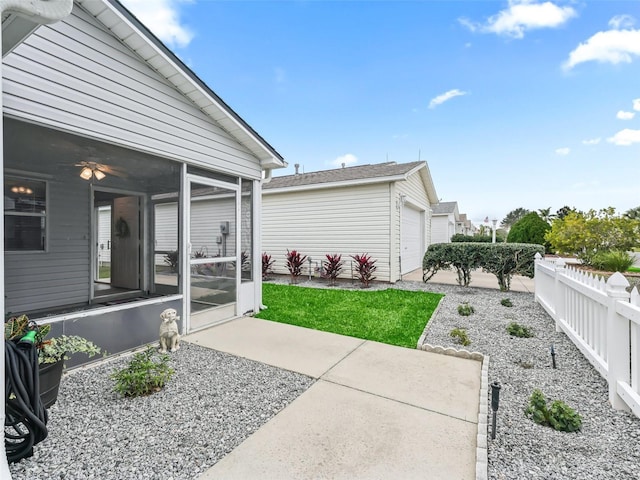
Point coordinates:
[(25, 202)]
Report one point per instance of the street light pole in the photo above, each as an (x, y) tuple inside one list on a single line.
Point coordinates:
[(493, 235)]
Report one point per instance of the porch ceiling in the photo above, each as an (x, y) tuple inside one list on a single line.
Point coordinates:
[(43, 151)]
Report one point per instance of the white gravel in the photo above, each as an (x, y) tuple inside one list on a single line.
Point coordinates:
[(216, 400), (213, 402)]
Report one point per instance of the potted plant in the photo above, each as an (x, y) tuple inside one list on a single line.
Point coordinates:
[(51, 353)]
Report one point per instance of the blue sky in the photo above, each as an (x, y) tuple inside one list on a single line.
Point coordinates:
[(517, 103)]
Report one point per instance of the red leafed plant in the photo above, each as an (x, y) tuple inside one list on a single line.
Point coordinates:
[(267, 265), (332, 268), (295, 263), (365, 268)]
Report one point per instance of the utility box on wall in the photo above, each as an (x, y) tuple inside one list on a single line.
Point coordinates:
[(224, 228)]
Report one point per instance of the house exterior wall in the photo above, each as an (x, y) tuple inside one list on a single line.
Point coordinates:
[(346, 220), (105, 91), (417, 198), (441, 229), (33, 279)]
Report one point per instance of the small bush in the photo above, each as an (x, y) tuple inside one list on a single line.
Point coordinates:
[(506, 302), (332, 268), (295, 263), (612, 261), (459, 237), (365, 267), (267, 266), (520, 331), (145, 374), (559, 417), (171, 259), (465, 309), (460, 336)]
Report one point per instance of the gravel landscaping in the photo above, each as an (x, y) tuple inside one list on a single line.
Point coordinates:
[(608, 445), (213, 402), (216, 400)]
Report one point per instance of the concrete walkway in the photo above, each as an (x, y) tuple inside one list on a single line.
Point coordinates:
[(478, 279), (375, 412)]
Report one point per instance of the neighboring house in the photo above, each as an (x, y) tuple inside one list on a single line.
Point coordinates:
[(382, 210), (105, 131), (444, 220), (464, 226)]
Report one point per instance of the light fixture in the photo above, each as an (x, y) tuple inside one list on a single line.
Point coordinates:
[(22, 190), (90, 171), (86, 173)]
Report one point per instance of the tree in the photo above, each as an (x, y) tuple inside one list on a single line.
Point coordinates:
[(633, 213), (529, 229), (587, 234), (546, 215), (564, 211), (513, 216)]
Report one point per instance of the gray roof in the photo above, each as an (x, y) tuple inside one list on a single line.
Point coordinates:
[(361, 172), (444, 208)]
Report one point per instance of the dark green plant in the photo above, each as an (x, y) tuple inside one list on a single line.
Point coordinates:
[(508, 259), (171, 259), (460, 336), (506, 302), (530, 229), (559, 417), (365, 267), (267, 266), (612, 261), (459, 237), (332, 267), (146, 373), (465, 309), (513, 216), (53, 349), (464, 257), (295, 263), (520, 331)]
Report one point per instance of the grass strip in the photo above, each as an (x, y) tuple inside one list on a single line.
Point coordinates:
[(392, 316)]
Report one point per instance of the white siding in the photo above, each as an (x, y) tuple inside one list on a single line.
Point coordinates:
[(417, 198), (103, 90), (347, 221), (59, 276), (440, 229)]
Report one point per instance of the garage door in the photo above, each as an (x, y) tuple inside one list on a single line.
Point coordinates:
[(411, 239)]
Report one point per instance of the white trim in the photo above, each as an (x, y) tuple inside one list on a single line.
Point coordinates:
[(344, 183)]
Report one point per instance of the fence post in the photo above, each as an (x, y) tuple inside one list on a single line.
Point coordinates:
[(559, 294), (536, 277), (618, 351)]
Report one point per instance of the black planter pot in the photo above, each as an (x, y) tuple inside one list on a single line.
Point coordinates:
[(50, 375)]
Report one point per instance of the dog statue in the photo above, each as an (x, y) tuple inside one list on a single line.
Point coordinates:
[(169, 336)]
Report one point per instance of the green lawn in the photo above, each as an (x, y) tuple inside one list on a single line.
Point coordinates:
[(396, 317)]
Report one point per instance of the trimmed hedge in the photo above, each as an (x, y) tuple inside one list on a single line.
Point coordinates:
[(459, 237), (502, 259)]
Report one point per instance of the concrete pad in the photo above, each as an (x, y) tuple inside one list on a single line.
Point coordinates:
[(336, 432), (440, 383), (302, 350)]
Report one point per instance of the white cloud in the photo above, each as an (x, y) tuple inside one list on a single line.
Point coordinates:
[(162, 17), (610, 46), (522, 16), (440, 99), (563, 151), (622, 21), (625, 137), (622, 115), (636, 104), (591, 141), (348, 159)]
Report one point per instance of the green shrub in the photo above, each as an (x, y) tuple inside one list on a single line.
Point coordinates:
[(459, 237), (506, 302), (559, 417), (460, 336), (530, 229), (365, 266), (267, 265), (465, 309), (612, 261), (520, 331), (502, 259), (295, 264), (145, 374)]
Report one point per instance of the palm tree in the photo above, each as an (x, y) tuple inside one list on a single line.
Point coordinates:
[(633, 213), (546, 215), (513, 216)]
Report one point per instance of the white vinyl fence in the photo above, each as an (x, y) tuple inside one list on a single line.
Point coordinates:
[(603, 321)]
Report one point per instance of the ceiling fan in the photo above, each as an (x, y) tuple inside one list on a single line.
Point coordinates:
[(96, 170)]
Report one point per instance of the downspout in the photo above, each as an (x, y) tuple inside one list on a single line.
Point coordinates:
[(258, 221), (40, 12)]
